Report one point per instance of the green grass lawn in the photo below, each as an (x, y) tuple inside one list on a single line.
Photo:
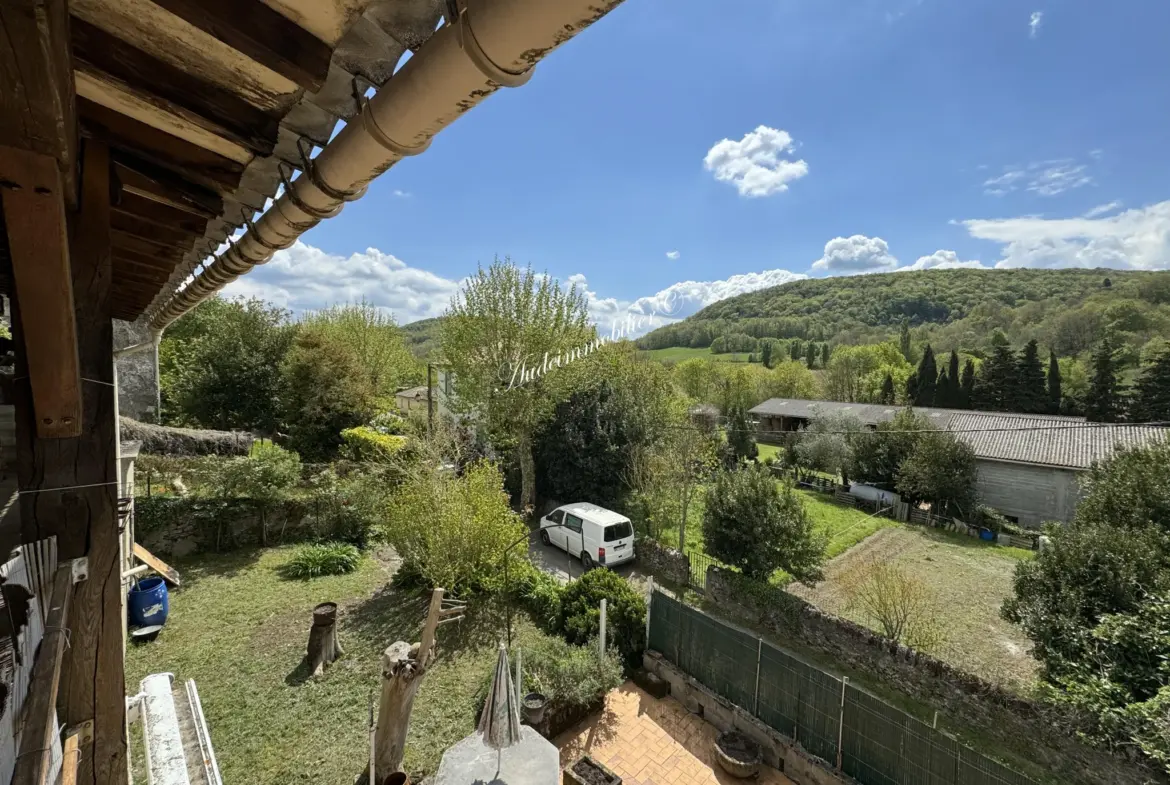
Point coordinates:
[(240, 630), (675, 354)]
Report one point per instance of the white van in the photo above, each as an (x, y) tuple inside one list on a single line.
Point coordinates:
[(594, 534)]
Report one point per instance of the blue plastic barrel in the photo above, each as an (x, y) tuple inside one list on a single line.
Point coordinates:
[(147, 604), (986, 534)]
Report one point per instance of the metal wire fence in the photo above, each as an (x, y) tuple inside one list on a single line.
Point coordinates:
[(866, 738)]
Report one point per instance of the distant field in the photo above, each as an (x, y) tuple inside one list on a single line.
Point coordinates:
[(677, 354)]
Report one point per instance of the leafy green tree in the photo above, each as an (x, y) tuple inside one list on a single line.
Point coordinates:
[(942, 390), (741, 440), (1104, 401), (375, 341), (927, 375), (1152, 391), (1093, 601), (326, 391), (766, 354), (855, 373), (698, 378), (941, 469), (218, 366), (794, 350), (827, 444), (878, 455), (625, 612), (888, 396), (904, 340), (954, 394), (996, 388), (1053, 384), (967, 385), (752, 522), (505, 321), (810, 355), (1031, 388), (826, 354), (912, 388)]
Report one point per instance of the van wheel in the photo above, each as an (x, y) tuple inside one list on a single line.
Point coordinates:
[(586, 561), (544, 537)]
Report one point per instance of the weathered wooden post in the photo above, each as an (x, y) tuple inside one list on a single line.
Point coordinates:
[(403, 668), (323, 647)]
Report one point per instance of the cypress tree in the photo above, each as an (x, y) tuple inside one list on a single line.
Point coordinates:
[(766, 354), (1103, 402), (927, 378), (942, 390), (904, 339), (810, 356), (826, 353), (1031, 393), (996, 391), (912, 389), (887, 394), (967, 386), (1053, 384), (794, 349), (1152, 394), (954, 391)]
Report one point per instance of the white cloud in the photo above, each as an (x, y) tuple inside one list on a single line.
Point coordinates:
[(304, 278), (1137, 239), (1034, 23), (1047, 178), (756, 163), (942, 260), (672, 255), (674, 303), (856, 254), (1101, 209), (400, 193)]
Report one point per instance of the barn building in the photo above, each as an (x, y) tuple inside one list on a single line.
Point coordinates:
[(1029, 464)]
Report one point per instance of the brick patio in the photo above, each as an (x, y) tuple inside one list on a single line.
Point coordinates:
[(647, 741)]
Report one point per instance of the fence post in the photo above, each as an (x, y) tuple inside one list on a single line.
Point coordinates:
[(759, 654), (519, 676), (649, 606), (601, 650), (841, 721)]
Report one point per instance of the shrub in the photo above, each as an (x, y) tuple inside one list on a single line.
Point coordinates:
[(540, 593), (569, 676), (455, 530), (759, 525), (391, 423), (352, 508), (330, 558), (364, 443), (941, 469), (580, 614), (899, 604)]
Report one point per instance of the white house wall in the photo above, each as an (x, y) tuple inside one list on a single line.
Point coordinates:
[(1031, 494)]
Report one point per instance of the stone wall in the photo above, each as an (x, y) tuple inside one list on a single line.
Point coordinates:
[(777, 750), (961, 697), (176, 527), (662, 561), (137, 373)]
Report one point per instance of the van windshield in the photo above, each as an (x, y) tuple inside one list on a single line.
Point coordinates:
[(617, 531)]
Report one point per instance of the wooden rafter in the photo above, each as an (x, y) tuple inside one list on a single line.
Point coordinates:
[(159, 213), (109, 59), (262, 34), (141, 177), (36, 85)]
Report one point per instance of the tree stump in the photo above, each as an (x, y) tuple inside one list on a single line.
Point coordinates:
[(323, 645)]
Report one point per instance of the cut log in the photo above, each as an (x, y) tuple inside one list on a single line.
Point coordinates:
[(323, 645)]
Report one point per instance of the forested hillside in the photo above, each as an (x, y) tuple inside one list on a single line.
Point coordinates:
[(422, 337), (1065, 310)]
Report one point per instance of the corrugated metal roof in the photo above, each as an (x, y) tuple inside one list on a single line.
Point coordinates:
[(1047, 440)]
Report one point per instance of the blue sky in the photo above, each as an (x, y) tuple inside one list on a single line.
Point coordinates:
[(861, 136)]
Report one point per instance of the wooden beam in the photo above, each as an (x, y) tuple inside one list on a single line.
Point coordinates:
[(75, 490), (143, 178), (36, 85), (36, 738), (190, 160), (144, 245), (264, 35), (149, 261), (110, 58), (160, 214), (127, 262), (170, 236), (34, 212)]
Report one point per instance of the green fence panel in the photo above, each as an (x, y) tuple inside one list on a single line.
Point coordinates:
[(780, 680), (720, 657), (871, 749), (664, 623), (976, 769), (820, 713), (928, 757)]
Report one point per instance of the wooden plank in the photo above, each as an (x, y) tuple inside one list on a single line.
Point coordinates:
[(149, 261), (146, 245), (36, 738), (36, 84), (264, 35), (161, 83), (159, 213), (170, 236), (169, 573), (140, 177), (75, 498), (192, 161), (70, 758), (34, 212)]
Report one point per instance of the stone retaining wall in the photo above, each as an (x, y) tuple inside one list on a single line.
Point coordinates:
[(662, 561)]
